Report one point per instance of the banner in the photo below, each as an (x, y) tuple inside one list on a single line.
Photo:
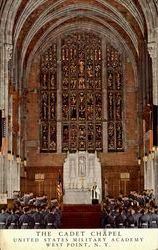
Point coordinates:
[(0, 129), (155, 125)]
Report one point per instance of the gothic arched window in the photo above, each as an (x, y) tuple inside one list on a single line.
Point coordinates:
[(115, 99), (81, 57), (48, 90), (88, 88)]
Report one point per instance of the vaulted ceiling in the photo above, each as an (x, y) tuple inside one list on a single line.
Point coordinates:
[(29, 24)]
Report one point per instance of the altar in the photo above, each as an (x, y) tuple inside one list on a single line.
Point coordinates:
[(81, 170)]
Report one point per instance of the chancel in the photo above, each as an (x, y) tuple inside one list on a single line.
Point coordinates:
[(81, 170), (78, 112)]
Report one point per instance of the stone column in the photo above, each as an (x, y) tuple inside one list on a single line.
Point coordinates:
[(145, 175), (149, 174), (6, 166), (9, 178), (2, 107), (156, 175), (152, 174), (18, 166), (15, 176), (1, 173), (153, 50)]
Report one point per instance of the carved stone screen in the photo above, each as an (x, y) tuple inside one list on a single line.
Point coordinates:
[(48, 96), (115, 99), (81, 57)]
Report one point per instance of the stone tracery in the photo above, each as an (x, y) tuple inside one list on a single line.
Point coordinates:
[(48, 86), (82, 99), (81, 82)]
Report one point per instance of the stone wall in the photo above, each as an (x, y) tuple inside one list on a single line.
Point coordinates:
[(119, 162)]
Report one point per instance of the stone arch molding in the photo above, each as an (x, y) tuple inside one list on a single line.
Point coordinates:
[(10, 8), (110, 35), (84, 13), (48, 15)]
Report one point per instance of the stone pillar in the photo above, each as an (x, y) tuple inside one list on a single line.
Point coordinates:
[(150, 179), (5, 164), (156, 176), (153, 50), (149, 174), (145, 175), (9, 178), (1, 173), (152, 175), (18, 166), (13, 176)]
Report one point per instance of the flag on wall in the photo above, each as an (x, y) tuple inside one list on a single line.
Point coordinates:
[(3, 135), (155, 125), (0, 129), (59, 188)]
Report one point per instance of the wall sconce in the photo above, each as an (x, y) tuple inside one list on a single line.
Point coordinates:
[(25, 162), (152, 155), (145, 158), (9, 155), (25, 174), (18, 159), (149, 156), (139, 161), (153, 148)]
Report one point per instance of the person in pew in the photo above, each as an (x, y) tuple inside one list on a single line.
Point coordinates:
[(12, 221), (131, 221), (120, 219), (25, 220), (153, 219), (50, 219), (38, 219), (3, 217), (144, 220)]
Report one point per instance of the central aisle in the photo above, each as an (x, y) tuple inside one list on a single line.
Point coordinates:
[(81, 216)]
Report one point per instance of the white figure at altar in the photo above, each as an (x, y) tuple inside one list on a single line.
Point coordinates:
[(95, 194), (82, 166)]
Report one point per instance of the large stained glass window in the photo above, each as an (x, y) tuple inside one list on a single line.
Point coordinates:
[(81, 109), (81, 58), (48, 100), (115, 99)]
